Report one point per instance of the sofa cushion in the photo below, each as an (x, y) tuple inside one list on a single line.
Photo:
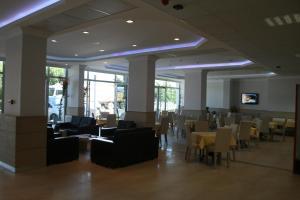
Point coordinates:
[(76, 120), (86, 121)]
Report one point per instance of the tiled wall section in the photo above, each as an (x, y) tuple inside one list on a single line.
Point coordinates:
[(23, 142), (142, 119), (7, 139)]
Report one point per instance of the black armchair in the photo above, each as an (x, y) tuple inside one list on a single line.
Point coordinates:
[(62, 149), (127, 147)]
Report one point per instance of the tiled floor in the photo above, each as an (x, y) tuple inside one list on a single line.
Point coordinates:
[(169, 177)]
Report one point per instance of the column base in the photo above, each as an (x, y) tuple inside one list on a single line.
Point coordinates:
[(23, 142), (142, 119)]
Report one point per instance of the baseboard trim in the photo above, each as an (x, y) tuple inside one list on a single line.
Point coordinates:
[(7, 167)]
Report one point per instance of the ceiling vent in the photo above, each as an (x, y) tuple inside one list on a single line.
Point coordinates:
[(283, 20)]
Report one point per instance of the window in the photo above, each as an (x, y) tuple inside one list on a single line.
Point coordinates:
[(56, 77), (167, 96), (105, 93)]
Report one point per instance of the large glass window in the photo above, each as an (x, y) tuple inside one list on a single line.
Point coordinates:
[(105, 93), (1, 85), (167, 96), (57, 86)]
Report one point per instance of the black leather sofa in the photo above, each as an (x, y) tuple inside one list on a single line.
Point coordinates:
[(61, 149), (122, 124), (78, 125), (127, 147)]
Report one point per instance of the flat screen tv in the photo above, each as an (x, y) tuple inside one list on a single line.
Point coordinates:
[(249, 98)]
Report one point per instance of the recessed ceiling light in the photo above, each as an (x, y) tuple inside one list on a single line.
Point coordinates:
[(101, 50), (129, 21), (176, 39), (66, 64), (278, 21), (297, 17), (287, 19), (76, 54), (96, 43), (134, 45), (54, 41), (86, 32), (105, 62), (269, 22)]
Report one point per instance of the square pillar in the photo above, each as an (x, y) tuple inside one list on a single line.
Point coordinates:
[(76, 90), (140, 102), (195, 93), (23, 124)]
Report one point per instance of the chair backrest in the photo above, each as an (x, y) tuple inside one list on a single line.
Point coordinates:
[(258, 124), (171, 116), (201, 126), (234, 130), (223, 137), (290, 123), (279, 121), (164, 125), (245, 130), (164, 113), (111, 120), (180, 121)]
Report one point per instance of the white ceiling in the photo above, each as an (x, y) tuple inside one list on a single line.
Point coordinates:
[(235, 30)]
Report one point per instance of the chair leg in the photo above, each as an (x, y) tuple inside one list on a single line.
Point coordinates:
[(166, 139), (215, 159), (186, 153), (228, 158), (233, 153)]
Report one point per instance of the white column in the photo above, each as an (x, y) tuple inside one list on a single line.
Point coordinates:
[(140, 101), (23, 125), (195, 93), (76, 90), (227, 93)]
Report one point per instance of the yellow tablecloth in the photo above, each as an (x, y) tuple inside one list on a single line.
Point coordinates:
[(204, 139), (254, 132)]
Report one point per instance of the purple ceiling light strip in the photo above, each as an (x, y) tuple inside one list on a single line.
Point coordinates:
[(26, 12), (210, 65), (133, 52)]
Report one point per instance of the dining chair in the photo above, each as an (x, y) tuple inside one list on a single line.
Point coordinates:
[(222, 145), (201, 126), (111, 120), (180, 126), (234, 131), (171, 116), (163, 129), (191, 143), (244, 133)]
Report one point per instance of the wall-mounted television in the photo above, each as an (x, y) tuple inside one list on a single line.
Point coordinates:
[(249, 98)]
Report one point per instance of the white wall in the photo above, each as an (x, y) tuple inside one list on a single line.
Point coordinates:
[(215, 93), (275, 94)]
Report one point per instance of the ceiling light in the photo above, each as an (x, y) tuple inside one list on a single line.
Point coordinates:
[(105, 62), (26, 12), (164, 48), (129, 21), (86, 32), (101, 50), (288, 19), (76, 54), (96, 43), (297, 17), (209, 65), (176, 39), (278, 21), (54, 41), (269, 22), (66, 64), (134, 45)]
